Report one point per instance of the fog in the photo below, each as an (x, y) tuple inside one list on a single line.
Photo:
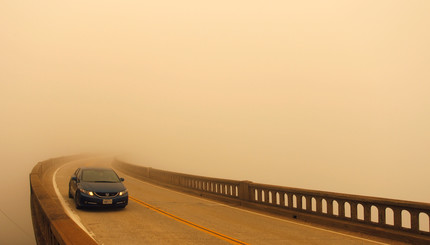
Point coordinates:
[(327, 95)]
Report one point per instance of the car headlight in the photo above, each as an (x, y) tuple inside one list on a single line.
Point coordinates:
[(122, 193), (87, 192)]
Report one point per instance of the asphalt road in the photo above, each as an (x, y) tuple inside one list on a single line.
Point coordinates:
[(156, 215)]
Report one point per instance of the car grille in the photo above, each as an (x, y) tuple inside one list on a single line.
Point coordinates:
[(106, 194)]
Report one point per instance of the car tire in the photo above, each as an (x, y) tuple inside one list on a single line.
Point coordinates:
[(70, 194), (77, 204)]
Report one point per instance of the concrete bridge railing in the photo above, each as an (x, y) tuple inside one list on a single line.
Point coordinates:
[(51, 224), (395, 219)]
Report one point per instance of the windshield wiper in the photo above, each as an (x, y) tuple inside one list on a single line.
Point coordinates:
[(105, 181)]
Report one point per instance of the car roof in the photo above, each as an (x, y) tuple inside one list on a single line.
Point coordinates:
[(95, 168)]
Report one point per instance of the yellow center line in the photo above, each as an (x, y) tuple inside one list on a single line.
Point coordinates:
[(189, 223)]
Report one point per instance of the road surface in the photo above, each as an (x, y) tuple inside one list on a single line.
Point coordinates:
[(157, 215)]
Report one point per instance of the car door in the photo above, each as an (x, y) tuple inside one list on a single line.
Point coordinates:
[(74, 181)]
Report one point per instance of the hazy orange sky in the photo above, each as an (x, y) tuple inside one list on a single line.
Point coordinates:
[(329, 95)]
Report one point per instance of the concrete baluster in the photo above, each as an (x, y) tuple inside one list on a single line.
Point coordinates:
[(382, 219), (309, 203), (290, 200), (148, 172), (415, 225), (354, 213), (367, 212), (274, 198), (341, 207), (299, 201), (318, 205), (428, 214), (252, 193), (329, 206), (281, 199)]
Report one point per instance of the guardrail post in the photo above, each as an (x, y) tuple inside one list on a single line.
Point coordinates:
[(244, 190)]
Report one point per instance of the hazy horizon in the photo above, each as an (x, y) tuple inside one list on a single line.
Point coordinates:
[(328, 95)]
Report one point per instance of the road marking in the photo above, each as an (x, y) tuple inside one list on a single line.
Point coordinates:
[(267, 216), (189, 223)]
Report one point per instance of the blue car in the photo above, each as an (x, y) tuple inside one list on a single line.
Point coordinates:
[(99, 187)]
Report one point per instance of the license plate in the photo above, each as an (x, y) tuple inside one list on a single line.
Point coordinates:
[(107, 201)]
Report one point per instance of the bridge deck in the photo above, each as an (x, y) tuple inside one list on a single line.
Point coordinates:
[(160, 216)]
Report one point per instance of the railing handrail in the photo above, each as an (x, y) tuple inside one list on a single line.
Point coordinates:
[(351, 197), (196, 176), (51, 224)]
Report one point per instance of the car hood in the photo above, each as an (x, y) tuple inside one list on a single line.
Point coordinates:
[(102, 187)]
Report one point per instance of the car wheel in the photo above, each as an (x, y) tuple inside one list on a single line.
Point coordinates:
[(78, 205), (70, 194)]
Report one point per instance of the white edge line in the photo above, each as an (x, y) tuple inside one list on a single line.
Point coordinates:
[(268, 216), (66, 207)]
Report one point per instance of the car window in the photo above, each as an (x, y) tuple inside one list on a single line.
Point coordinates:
[(99, 175)]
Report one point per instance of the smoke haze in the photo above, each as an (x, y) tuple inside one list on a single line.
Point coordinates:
[(328, 95)]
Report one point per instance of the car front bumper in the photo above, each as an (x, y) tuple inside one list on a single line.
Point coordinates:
[(95, 201)]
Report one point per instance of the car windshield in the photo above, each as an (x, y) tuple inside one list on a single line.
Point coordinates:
[(99, 175)]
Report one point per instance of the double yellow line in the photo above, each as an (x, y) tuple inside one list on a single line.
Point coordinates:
[(191, 224)]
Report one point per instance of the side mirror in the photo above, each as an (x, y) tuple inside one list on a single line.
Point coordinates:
[(74, 178), (122, 179)]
